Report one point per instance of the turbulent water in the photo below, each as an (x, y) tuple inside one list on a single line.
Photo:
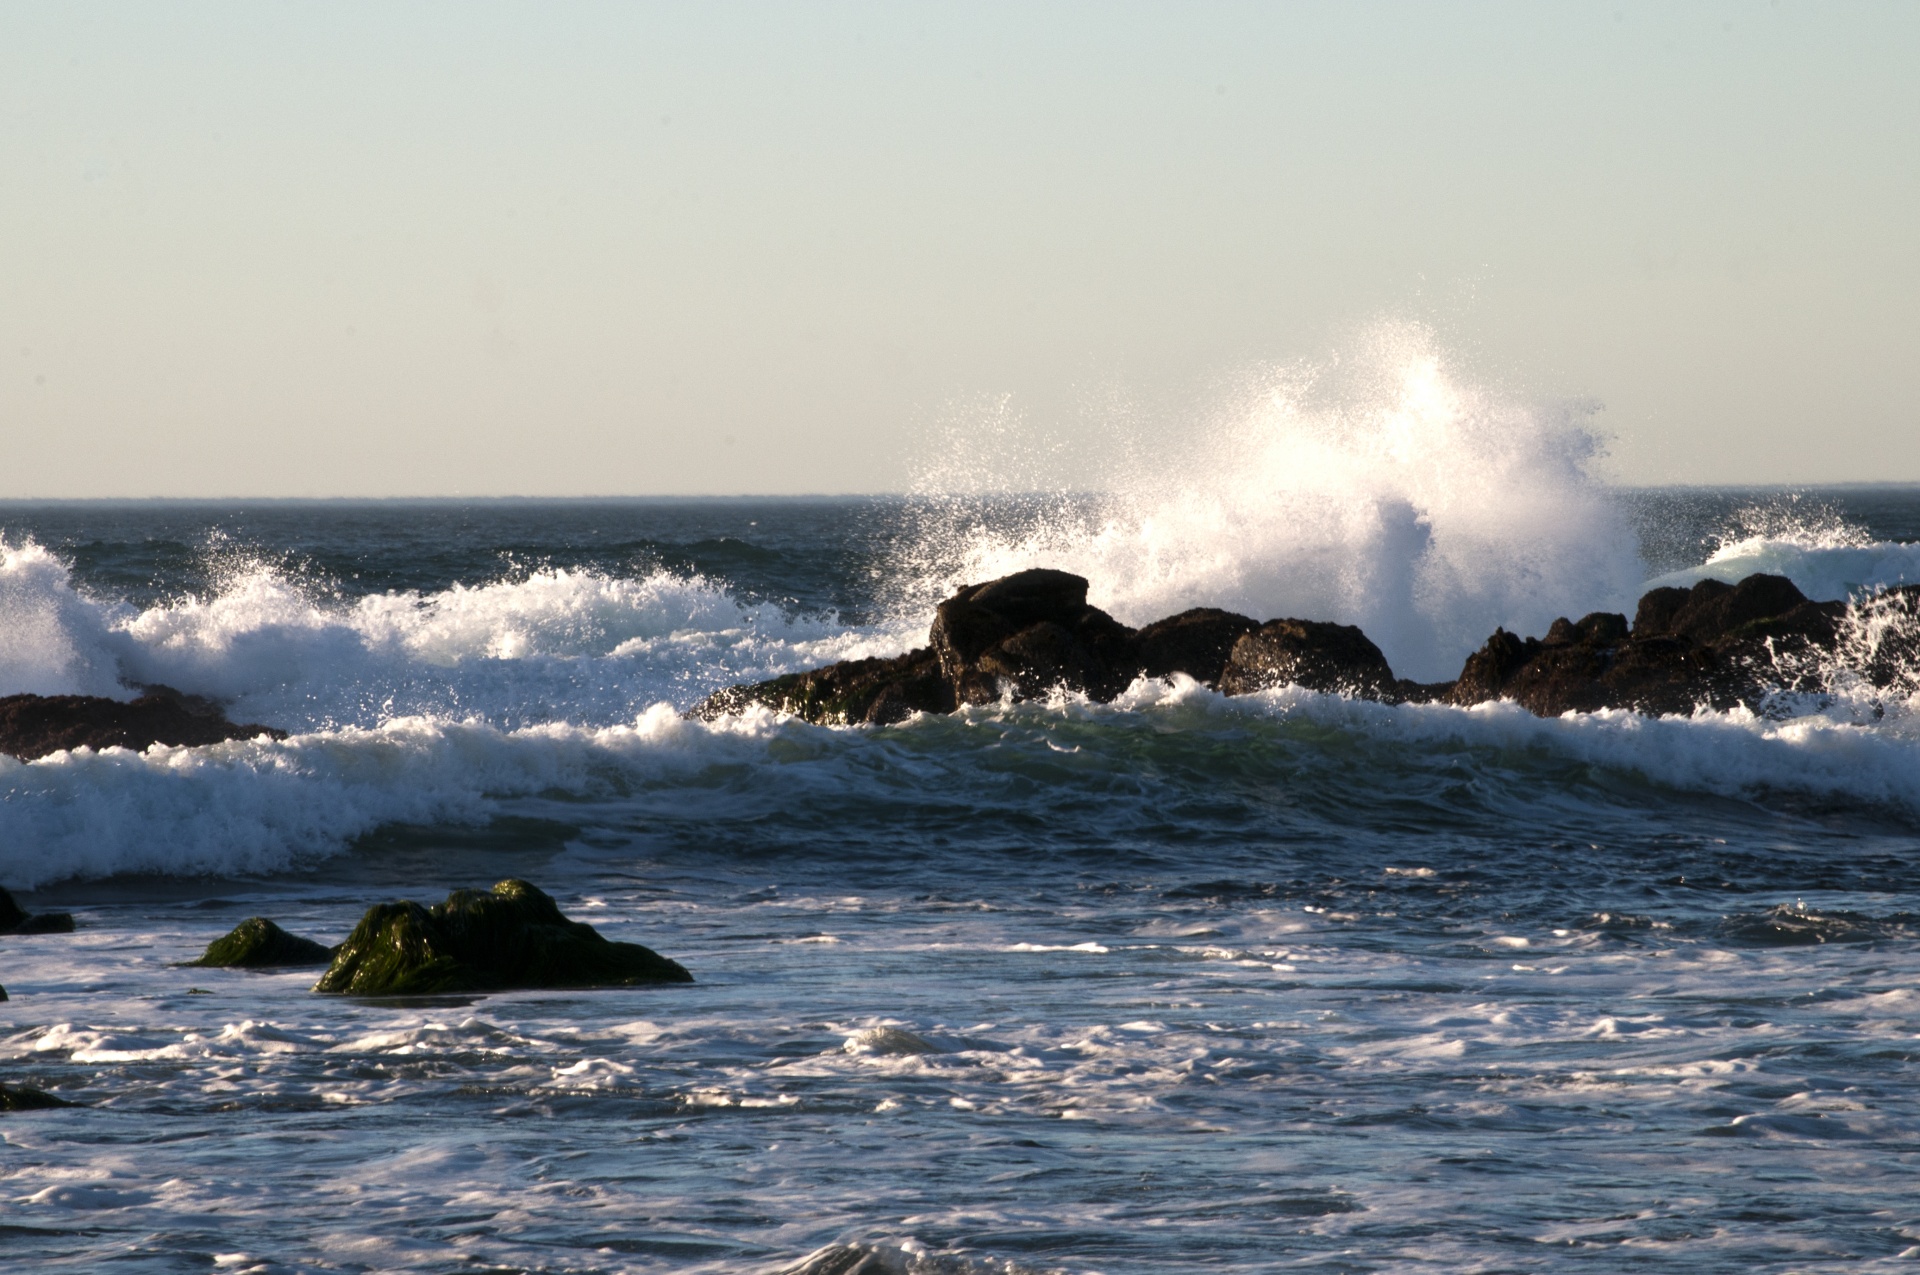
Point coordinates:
[(1284, 981)]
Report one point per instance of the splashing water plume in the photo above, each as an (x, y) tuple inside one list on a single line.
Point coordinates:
[(1376, 489)]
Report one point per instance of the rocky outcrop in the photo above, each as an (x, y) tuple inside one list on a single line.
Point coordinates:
[(1714, 644), (1024, 635), (257, 944), (1319, 656), (849, 693), (16, 920), (1030, 634), (1197, 642), (35, 725), (513, 937)]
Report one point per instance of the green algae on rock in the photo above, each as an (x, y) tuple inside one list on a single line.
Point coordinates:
[(257, 943), (513, 937)]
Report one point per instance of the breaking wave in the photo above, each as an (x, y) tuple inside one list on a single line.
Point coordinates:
[(1375, 489)]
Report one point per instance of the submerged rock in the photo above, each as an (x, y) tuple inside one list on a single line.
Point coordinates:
[(889, 1042), (27, 1098), (35, 725), (513, 937), (257, 943), (15, 920)]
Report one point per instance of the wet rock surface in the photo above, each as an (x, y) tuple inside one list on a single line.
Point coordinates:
[(849, 693), (36, 725), (1309, 653), (1031, 634), (16, 920), (27, 1098), (1715, 644), (1197, 642), (257, 943), (512, 937)]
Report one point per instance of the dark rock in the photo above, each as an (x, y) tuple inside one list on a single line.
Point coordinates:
[(1652, 675), (1028, 634), (1488, 669), (1657, 609), (874, 691), (1601, 628), (1024, 635), (514, 937), (1309, 653), (257, 943), (1032, 633), (1195, 642), (1714, 644), (3, 994), (1713, 609), (26, 1098), (14, 920), (35, 725)]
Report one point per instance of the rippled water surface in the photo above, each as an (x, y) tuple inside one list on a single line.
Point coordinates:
[(1181, 983)]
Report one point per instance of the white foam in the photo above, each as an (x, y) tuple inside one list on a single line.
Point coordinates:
[(1378, 490), (52, 641), (576, 646), (1737, 753), (262, 805), (1823, 570)]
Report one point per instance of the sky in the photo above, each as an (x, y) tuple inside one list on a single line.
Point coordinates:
[(474, 249)]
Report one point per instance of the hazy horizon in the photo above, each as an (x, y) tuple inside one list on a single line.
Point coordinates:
[(496, 250)]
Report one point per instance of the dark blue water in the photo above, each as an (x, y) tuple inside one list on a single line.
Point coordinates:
[(1180, 983)]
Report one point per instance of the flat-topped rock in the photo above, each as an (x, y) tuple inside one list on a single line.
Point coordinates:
[(36, 725)]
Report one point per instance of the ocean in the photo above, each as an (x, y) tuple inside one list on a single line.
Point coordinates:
[(1278, 982)]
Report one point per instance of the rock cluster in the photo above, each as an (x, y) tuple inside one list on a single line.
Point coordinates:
[(35, 725), (1715, 644), (513, 937), (1032, 633)]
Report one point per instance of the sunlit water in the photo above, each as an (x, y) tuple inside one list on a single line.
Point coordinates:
[(1180, 983)]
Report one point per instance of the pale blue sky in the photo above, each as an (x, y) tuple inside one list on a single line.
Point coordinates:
[(305, 249)]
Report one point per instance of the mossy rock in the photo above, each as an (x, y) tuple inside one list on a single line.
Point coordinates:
[(257, 943), (26, 1098), (513, 937)]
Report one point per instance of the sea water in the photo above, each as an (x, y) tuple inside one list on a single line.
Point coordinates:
[(1181, 982)]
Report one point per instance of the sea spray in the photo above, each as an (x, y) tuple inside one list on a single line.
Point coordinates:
[(578, 646), (1378, 489), (53, 641)]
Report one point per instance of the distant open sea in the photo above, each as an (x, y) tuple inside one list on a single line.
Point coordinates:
[(1178, 983)]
